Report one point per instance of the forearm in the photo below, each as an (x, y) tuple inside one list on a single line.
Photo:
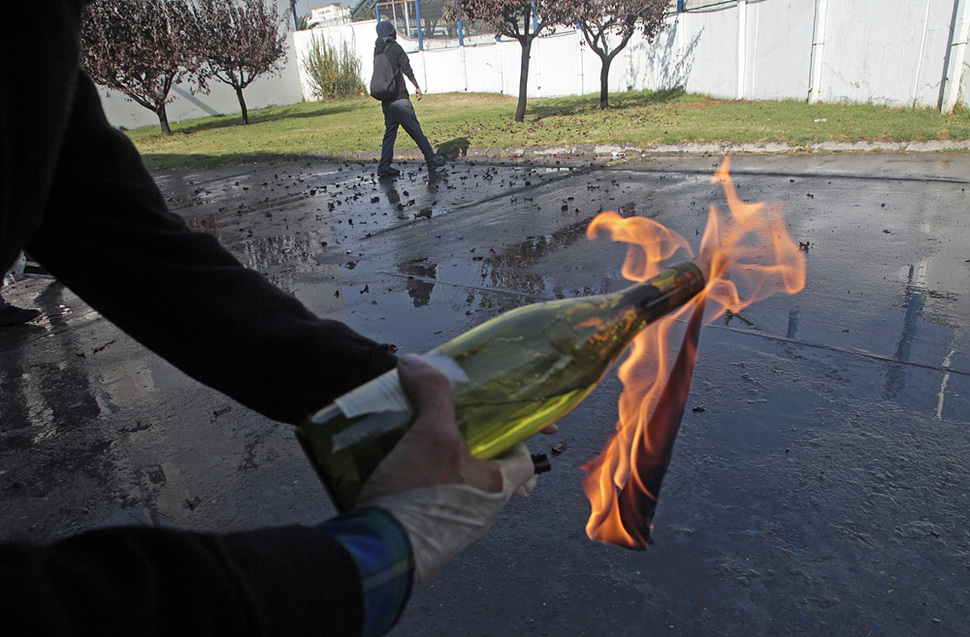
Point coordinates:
[(108, 236), (285, 581)]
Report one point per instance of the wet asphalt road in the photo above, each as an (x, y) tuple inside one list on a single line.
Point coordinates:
[(821, 486)]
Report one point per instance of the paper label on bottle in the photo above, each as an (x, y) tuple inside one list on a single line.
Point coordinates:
[(384, 399), (385, 393), (373, 426), (447, 366)]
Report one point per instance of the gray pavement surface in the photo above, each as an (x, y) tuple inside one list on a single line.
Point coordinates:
[(821, 486)]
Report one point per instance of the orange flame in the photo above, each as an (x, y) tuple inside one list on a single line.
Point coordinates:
[(751, 257)]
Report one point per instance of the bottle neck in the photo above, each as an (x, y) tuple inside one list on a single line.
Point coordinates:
[(665, 292)]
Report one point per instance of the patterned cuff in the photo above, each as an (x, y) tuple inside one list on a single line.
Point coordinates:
[(382, 551)]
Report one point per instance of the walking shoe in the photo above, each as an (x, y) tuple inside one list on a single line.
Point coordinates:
[(437, 162), (11, 316), (390, 172)]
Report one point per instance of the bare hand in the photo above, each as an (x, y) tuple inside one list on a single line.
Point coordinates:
[(417, 92)]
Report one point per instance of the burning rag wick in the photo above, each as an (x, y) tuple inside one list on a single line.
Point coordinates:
[(623, 482)]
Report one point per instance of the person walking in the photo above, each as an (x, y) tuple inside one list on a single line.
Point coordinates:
[(399, 111)]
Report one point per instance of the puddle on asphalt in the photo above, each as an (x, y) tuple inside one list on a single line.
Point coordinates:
[(930, 346), (422, 275), (920, 344)]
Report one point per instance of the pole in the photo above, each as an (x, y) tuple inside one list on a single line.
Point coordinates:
[(407, 20), (461, 35), (919, 58), (417, 15), (582, 61), (680, 26), (742, 46), (818, 50), (955, 56)]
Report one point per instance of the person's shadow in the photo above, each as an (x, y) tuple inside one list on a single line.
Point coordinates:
[(454, 148), (393, 198)]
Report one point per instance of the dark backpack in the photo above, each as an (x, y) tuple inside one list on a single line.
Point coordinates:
[(383, 83)]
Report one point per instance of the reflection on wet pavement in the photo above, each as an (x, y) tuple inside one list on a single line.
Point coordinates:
[(808, 406)]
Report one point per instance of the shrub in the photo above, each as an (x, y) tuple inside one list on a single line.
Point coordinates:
[(333, 74)]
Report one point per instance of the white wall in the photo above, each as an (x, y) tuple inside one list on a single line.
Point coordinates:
[(779, 49), (887, 57), (882, 51), (279, 90), (890, 52)]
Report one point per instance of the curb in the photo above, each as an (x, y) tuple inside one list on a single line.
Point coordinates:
[(610, 152)]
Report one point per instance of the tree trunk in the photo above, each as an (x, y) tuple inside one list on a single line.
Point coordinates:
[(242, 105), (163, 119), (605, 81), (526, 43)]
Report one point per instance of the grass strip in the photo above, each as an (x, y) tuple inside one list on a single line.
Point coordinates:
[(638, 119)]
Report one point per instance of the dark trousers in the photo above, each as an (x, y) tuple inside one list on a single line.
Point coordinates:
[(401, 113)]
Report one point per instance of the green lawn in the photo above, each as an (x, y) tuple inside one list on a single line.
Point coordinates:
[(485, 120)]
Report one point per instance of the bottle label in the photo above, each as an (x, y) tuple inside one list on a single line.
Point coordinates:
[(447, 366), (384, 393), (375, 425)]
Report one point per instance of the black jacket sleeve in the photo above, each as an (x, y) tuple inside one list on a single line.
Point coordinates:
[(107, 235), (135, 581), (98, 223), (399, 60)]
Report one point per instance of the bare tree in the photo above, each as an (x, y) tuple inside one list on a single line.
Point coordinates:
[(141, 48), (239, 40), (615, 22), (522, 20)]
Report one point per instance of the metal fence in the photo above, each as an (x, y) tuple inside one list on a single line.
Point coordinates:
[(435, 24), (439, 24), (432, 23)]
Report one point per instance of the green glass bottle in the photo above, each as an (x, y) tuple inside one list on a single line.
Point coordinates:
[(510, 376)]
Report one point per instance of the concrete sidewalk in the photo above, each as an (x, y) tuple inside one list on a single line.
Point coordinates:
[(599, 153), (821, 485)]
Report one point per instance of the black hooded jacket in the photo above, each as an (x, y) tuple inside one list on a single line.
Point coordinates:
[(399, 62)]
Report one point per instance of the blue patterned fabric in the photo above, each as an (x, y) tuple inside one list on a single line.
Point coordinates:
[(382, 551)]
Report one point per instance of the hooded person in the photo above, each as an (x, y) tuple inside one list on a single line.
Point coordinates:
[(398, 111)]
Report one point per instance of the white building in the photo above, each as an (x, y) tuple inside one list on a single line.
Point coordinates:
[(328, 15)]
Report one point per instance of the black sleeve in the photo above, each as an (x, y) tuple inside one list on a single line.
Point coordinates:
[(107, 235), (401, 61), (284, 581)]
